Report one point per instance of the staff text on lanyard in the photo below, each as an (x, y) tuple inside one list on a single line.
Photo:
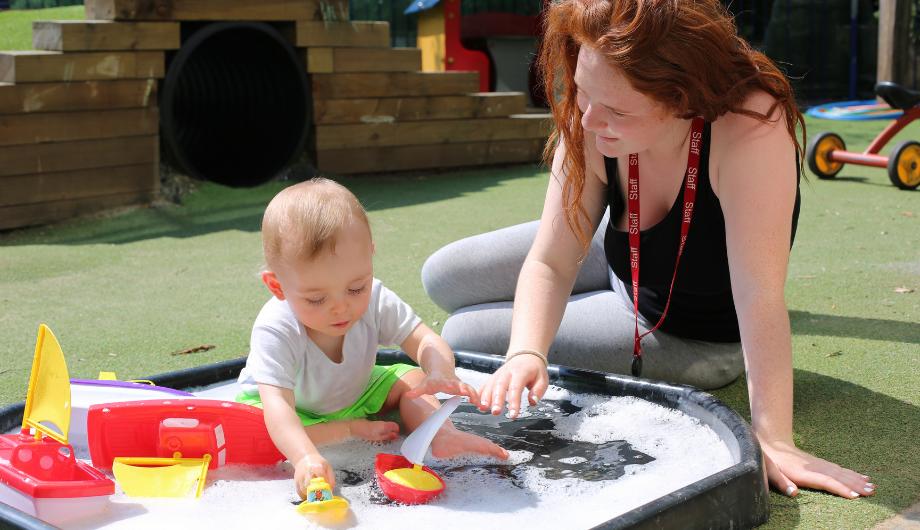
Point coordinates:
[(690, 180)]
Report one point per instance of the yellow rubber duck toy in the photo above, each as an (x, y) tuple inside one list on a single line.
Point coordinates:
[(321, 503)]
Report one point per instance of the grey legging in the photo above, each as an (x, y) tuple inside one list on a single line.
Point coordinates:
[(474, 279)]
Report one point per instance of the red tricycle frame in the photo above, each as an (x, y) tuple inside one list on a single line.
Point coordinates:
[(827, 154)]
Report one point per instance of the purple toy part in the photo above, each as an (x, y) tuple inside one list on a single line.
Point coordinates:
[(129, 384)]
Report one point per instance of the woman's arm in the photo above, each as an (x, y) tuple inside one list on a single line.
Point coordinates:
[(552, 264), (757, 189), (544, 286)]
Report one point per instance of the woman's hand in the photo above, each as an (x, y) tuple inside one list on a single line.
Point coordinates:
[(790, 468), (509, 381)]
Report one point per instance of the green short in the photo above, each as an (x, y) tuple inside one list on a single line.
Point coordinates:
[(370, 402)]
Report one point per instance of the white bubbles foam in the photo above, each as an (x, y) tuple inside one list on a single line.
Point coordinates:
[(479, 494)]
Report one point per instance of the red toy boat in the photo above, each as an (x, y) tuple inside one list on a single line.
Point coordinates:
[(43, 479), (232, 433), (38, 471), (403, 478), (398, 490)]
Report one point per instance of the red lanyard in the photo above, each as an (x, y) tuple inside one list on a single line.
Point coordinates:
[(693, 164)]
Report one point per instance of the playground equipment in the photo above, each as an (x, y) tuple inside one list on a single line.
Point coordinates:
[(856, 110), (827, 153), (439, 40), (234, 90), (498, 45), (39, 473)]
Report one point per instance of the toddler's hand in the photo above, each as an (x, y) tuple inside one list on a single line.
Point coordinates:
[(312, 465), (446, 382)]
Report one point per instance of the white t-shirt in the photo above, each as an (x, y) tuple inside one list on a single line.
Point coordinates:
[(281, 354)]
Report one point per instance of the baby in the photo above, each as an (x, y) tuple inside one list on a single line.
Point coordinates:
[(311, 364)]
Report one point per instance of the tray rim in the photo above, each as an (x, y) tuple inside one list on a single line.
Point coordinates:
[(705, 498)]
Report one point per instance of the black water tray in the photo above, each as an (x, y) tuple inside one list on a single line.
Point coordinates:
[(736, 497)]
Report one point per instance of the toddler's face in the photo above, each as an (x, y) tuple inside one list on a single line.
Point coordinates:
[(331, 292)]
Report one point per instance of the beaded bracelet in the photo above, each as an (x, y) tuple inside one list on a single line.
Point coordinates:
[(514, 354)]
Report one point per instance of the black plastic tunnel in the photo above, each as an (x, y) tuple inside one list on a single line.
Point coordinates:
[(234, 103)]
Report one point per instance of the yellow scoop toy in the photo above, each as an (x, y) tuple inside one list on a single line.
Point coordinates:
[(321, 503), (161, 477)]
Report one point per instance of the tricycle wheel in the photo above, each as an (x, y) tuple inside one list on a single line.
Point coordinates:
[(904, 165), (819, 152)]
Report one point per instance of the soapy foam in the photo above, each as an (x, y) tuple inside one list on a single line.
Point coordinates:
[(530, 490)]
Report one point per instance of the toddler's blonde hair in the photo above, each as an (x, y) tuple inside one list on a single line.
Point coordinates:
[(305, 219)]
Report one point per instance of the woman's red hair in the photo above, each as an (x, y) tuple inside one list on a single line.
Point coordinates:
[(685, 54)]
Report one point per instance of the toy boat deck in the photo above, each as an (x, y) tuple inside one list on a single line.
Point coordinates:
[(85, 393), (232, 433)]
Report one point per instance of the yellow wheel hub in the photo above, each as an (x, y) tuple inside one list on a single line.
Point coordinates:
[(823, 155), (909, 166)]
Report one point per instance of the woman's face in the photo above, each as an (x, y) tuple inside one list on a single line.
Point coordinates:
[(621, 119)]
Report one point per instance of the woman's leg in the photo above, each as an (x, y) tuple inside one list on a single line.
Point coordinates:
[(596, 333), (475, 279), (485, 268)]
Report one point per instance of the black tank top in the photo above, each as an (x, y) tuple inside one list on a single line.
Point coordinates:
[(702, 306)]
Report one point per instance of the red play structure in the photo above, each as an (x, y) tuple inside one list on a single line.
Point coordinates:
[(498, 45)]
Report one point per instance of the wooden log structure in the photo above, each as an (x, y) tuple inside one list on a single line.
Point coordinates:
[(96, 35), (80, 118)]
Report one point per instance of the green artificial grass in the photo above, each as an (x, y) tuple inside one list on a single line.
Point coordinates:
[(16, 25), (207, 255), (123, 292)]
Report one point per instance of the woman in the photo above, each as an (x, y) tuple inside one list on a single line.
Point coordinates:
[(686, 137)]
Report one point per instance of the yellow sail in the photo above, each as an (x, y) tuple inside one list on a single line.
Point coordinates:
[(48, 398)]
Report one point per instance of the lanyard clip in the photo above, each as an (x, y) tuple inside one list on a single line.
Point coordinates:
[(637, 366)]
